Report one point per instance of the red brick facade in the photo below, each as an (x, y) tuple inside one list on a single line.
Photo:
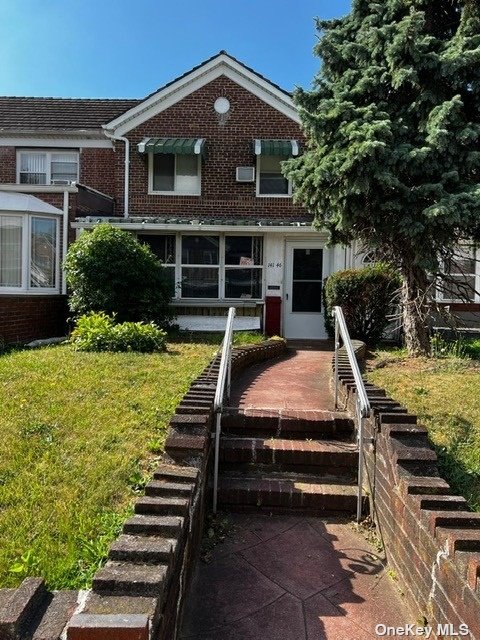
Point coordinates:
[(8, 165), (24, 318), (229, 145)]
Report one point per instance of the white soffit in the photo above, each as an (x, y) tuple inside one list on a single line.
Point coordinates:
[(221, 65), (24, 203)]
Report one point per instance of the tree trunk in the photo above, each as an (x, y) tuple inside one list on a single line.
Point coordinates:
[(415, 304)]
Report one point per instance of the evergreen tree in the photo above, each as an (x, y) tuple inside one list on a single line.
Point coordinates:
[(393, 138)]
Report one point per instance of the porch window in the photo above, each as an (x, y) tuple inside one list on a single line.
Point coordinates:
[(163, 247), (462, 270), (200, 266), (47, 167), (175, 174), (243, 267), (29, 253), (270, 180)]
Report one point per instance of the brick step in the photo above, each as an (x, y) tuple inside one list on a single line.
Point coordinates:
[(154, 525), (176, 473), (125, 578), (162, 506), (166, 489), (58, 613), (286, 495), (297, 425), (142, 549), (332, 457)]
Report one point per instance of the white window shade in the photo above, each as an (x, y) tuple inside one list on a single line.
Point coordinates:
[(11, 251), (33, 168)]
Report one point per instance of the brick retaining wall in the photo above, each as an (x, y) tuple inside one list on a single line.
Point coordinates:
[(431, 538), (131, 600)]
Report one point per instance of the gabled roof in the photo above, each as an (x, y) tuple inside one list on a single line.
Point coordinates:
[(62, 114), (25, 203), (216, 66), (31, 114)]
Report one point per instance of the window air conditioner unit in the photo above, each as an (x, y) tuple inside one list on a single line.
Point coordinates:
[(65, 182), (245, 174)]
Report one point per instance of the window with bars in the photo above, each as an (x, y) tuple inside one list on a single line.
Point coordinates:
[(28, 253), (47, 167)]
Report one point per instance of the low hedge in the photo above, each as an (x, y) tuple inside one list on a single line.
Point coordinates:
[(99, 332)]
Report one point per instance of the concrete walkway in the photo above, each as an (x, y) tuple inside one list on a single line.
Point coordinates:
[(290, 577)]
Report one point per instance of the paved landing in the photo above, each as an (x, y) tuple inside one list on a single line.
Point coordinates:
[(291, 578), (299, 380)]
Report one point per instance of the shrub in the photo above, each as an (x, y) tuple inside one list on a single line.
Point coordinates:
[(98, 332), (365, 296), (109, 270), (472, 349)]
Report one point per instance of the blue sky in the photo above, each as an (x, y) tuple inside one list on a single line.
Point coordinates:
[(128, 48)]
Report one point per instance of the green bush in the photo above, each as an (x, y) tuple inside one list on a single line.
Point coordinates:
[(472, 349), (365, 296), (109, 270), (98, 332)]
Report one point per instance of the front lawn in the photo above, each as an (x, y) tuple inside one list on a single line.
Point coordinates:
[(79, 434), (445, 394)]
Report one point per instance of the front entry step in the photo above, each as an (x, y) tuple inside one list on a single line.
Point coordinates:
[(287, 494), (286, 424), (325, 458)]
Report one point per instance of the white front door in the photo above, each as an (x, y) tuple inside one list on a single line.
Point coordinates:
[(305, 269)]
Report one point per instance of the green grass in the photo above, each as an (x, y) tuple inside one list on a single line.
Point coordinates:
[(444, 393), (79, 435)]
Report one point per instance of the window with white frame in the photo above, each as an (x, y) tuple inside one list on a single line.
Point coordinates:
[(164, 248), (200, 266), (243, 267), (174, 174), (47, 167), (221, 267), (462, 272), (270, 180), (29, 247)]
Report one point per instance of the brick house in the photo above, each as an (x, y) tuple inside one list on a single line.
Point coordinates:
[(194, 170)]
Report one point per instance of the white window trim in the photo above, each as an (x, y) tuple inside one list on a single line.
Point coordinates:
[(26, 288), (221, 266), (269, 195), (151, 191), (48, 153), (440, 294)]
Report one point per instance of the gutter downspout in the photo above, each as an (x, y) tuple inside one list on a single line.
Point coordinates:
[(66, 227), (112, 136)]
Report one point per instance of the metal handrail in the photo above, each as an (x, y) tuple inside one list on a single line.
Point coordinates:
[(363, 404), (222, 390)]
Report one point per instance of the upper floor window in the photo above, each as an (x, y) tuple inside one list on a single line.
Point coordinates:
[(175, 174), (47, 167), (29, 253), (270, 154), (270, 180)]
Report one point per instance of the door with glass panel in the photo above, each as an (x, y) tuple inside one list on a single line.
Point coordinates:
[(304, 274)]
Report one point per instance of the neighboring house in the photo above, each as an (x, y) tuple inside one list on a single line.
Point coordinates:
[(194, 170)]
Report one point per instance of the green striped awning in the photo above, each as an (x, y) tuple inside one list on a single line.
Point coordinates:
[(179, 146), (275, 147)]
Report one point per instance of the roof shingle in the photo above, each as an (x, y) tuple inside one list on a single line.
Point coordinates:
[(63, 114)]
